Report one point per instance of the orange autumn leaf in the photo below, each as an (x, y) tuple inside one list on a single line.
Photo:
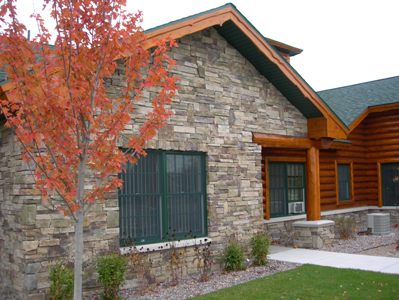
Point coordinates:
[(59, 107)]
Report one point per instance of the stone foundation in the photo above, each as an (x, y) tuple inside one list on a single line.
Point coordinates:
[(360, 215), (282, 231), (313, 234)]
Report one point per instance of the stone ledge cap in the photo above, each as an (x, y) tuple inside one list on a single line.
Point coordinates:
[(313, 224)]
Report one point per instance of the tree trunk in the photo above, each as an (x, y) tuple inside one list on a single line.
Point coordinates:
[(78, 265), (78, 269)]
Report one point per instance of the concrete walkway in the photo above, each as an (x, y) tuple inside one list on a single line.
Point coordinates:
[(334, 259)]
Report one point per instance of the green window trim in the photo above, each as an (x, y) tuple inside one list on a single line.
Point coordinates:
[(163, 198), (344, 183), (287, 184)]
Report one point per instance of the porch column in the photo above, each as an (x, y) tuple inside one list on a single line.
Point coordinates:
[(312, 184)]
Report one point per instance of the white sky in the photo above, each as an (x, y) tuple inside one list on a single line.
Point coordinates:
[(344, 41)]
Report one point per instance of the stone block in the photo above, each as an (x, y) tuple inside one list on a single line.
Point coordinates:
[(30, 245), (37, 296), (27, 214), (50, 242), (112, 219), (32, 268), (30, 282), (60, 223)]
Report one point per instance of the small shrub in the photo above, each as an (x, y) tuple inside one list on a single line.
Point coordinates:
[(176, 256), (345, 227), (61, 282), (233, 257), (111, 274), (141, 264), (260, 249), (203, 256), (176, 260)]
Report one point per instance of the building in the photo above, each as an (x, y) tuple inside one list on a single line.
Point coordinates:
[(248, 138)]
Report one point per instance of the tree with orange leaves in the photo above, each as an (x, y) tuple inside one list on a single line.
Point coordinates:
[(58, 106)]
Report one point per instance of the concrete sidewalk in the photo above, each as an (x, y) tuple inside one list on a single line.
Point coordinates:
[(334, 259)]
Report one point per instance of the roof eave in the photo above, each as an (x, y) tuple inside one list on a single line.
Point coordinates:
[(372, 109)]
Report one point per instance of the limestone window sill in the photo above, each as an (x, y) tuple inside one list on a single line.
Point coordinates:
[(164, 245), (283, 219)]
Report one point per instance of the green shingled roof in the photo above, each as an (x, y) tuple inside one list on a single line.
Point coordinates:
[(349, 102)]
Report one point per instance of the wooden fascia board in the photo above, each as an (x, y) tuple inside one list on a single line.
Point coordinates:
[(192, 25), (372, 109), (219, 17)]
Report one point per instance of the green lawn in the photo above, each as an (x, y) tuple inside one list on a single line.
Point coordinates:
[(315, 282)]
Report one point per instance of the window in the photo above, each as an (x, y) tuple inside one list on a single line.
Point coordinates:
[(344, 182), (286, 187), (390, 184), (163, 198)]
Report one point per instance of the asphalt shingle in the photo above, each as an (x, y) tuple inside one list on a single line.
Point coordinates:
[(349, 102)]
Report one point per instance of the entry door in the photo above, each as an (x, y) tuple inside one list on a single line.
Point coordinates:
[(286, 184), (390, 184)]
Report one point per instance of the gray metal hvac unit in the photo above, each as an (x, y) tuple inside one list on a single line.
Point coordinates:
[(379, 223)]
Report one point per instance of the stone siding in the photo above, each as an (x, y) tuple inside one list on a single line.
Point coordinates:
[(222, 100), (313, 234)]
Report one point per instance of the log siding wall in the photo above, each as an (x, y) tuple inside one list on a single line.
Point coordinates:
[(374, 142)]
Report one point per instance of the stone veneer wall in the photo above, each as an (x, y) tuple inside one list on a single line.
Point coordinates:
[(32, 237), (222, 99)]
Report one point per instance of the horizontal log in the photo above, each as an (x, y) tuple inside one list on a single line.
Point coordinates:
[(384, 154), (365, 179), (327, 173), (382, 130), (364, 172), (368, 196), (327, 187), (327, 180), (327, 207), (371, 136), (327, 194), (364, 185), (383, 148), (326, 201)]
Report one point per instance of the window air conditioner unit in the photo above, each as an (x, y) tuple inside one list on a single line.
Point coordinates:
[(296, 207), (379, 223)]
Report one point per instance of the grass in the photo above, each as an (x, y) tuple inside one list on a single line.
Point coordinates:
[(314, 282)]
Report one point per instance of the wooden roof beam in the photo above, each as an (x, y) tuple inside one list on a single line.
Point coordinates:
[(281, 141), (322, 127), (291, 142)]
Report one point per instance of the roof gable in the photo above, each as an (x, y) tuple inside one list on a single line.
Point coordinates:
[(242, 35), (352, 102)]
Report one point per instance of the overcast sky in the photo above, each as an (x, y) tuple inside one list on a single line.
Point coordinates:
[(344, 42)]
